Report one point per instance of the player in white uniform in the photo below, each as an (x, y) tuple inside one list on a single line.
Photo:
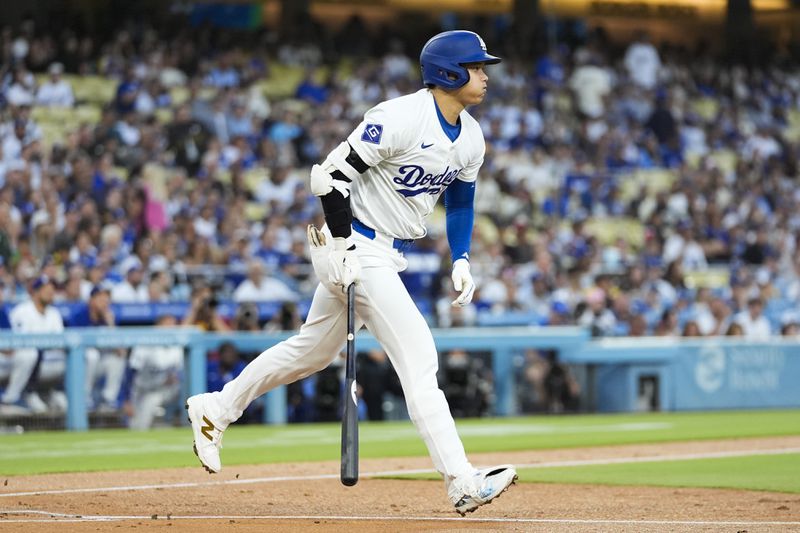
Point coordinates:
[(376, 189), (155, 379), (37, 315)]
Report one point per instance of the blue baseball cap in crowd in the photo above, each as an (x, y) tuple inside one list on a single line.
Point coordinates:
[(100, 287), (40, 282)]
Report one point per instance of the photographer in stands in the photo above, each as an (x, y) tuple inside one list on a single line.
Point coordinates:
[(203, 311)]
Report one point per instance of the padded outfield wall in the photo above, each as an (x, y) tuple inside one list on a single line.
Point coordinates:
[(618, 374)]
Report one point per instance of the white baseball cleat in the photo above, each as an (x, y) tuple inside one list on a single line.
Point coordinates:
[(57, 401), (35, 403), (470, 492), (207, 433)]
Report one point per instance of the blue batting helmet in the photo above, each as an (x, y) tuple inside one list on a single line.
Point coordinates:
[(443, 58)]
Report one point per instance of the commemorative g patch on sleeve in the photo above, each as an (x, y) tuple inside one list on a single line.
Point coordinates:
[(372, 133)]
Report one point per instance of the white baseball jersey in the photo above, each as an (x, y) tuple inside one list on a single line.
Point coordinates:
[(154, 364), (25, 318), (412, 161)]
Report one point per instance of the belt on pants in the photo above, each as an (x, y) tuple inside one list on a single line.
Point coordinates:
[(401, 245)]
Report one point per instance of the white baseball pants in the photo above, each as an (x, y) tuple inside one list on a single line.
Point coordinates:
[(385, 307), (19, 367)]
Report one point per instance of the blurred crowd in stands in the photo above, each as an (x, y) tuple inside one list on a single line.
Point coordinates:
[(635, 189)]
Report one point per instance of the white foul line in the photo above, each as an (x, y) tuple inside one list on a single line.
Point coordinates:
[(60, 517), (391, 473)]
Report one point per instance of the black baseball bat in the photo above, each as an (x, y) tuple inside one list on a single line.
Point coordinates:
[(349, 474)]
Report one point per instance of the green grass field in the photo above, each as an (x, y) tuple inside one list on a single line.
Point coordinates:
[(755, 472), (759, 472), (45, 452)]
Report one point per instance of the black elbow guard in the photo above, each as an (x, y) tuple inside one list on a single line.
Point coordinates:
[(338, 214)]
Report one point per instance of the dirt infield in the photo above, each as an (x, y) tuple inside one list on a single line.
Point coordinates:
[(309, 497)]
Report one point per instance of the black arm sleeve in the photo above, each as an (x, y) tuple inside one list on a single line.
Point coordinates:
[(338, 214), (355, 161), (336, 207)]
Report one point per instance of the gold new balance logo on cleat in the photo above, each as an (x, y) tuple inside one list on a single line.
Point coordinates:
[(207, 428)]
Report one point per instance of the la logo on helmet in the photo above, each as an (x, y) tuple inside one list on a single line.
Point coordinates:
[(483, 44)]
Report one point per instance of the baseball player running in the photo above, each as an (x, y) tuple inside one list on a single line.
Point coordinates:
[(377, 188)]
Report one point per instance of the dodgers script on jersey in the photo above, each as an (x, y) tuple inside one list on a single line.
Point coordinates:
[(418, 163)]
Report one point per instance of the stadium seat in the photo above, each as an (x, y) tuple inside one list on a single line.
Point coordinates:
[(654, 180), (88, 113), (179, 95), (792, 132), (163, 116), (724, 159), (706, 107), (608, 230), (712, 278), (93, 89), (255, 211), (254, 176), (282, 82)]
